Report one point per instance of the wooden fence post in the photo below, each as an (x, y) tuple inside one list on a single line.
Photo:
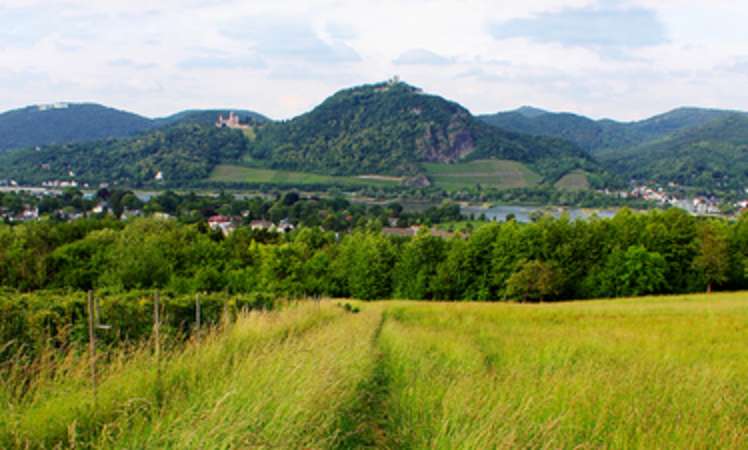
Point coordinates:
[(197, 311), (157, 344), (92, 344)]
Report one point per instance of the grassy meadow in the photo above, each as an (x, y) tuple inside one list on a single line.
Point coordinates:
[(492, 173), (667, 372)]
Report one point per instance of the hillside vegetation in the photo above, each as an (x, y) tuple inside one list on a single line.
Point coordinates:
[(390, 128), (708, 156), (386, 129), (598, 135), (180, 153), (67, 123), (692, 147), (407, 375)]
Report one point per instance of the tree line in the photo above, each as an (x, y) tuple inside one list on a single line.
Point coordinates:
[(631, 254)]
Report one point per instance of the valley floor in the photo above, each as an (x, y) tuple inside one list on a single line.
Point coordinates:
[(668, 372)]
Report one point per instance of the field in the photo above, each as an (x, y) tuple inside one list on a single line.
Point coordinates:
[(574, 181), (254, 175), (488, 173), (669, 372)]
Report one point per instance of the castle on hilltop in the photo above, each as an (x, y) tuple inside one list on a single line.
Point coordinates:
[(232, 121)]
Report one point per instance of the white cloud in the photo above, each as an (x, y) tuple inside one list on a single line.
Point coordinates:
[(421, 56), (630, 58)]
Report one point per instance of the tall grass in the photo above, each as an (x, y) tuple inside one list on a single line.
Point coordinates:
[(647, 373), (260, 369), (644, 373)]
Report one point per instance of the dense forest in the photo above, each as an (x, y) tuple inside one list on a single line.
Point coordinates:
[(550, 259), (598, 135), (714, 155), (180, 153), (390, 127), (698, 148)]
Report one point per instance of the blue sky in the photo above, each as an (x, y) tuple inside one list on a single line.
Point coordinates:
[(604, 58)]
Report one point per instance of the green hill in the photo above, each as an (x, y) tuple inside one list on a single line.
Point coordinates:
[(391, 128), (598, 135), (714, 155), (64, 123), (180, 153)]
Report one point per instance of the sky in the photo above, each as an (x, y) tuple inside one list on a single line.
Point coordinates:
[(621, 59)]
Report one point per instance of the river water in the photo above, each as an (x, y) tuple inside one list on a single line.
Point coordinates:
[(523, 213)]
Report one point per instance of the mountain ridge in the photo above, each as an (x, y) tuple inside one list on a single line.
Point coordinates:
[(385, 129), (604, 134), (64, 123)]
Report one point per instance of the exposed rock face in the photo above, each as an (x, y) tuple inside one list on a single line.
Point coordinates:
[(447, 144)]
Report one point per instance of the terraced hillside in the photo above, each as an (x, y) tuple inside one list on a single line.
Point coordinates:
[(501, 174)]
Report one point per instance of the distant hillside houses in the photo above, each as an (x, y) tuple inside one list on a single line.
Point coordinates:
[(285, 226), (59, 183), (51, 106)]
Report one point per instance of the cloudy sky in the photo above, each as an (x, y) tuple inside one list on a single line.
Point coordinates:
[(624, 59)]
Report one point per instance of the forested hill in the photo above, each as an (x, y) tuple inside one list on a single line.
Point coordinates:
[(600, 135), (64, 123), (389, 128), (69, 123), (179, 153), (707, 156)]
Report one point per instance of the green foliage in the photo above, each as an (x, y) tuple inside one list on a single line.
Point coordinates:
[(691, 147), (632, 272), (32, 322), (366, 259), (389, 129), (710, 156), (535, 280), (713, 258), (417, 266), (180, 153), (595, 136), (549, 259)]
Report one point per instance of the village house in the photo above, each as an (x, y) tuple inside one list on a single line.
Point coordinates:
[(223, 223), (99, 208), (285, 226), (261, 225), (28, 214)]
